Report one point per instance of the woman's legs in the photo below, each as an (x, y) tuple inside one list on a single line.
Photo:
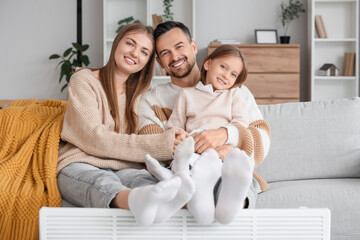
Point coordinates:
[(87, 186)]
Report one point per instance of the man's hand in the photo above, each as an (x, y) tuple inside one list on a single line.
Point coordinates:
[(209, 139), (223, 150)]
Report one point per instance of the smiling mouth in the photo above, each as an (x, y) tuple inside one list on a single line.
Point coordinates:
[(177, 63), (222, 82), (130, 61)]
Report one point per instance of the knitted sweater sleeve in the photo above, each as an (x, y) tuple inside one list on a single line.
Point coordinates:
[(256, 137), (178, 116), (85, 126)]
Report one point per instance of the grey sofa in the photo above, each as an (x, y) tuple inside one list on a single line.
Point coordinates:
[(314, 161)]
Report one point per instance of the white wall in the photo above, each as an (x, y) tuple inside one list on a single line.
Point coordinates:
[(30, 31), (237, 19)]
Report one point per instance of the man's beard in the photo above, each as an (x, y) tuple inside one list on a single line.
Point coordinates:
[(184, 73)]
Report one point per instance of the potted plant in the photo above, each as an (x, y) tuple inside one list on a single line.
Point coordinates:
[(168, 15), (68, 64), (289, 12)]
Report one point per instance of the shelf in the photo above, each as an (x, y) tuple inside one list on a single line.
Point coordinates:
[(341, 22), (335, 78), (335, 40), (335, 1)]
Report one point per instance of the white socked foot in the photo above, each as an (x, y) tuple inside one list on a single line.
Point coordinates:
[(183, 153), (236, 174), (205, 173), (145, 201), (154, 167), (183, 196)]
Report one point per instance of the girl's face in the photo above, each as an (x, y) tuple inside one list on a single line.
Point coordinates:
[(222, 72), (133, 52)]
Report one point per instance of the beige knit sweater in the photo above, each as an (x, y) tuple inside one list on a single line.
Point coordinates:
[(89, 133), (199, 109)]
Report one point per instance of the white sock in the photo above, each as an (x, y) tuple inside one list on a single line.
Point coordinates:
[(154, 167), (144, 201), (183, 153), (185, 193), (205, 173), (236, 175)]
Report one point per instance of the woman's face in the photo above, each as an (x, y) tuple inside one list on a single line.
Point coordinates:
[(222, 72), (133, 52)]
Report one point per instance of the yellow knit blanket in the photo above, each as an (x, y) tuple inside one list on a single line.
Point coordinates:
[(29, 142)]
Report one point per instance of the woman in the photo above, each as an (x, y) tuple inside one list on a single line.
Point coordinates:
[(101, 162)]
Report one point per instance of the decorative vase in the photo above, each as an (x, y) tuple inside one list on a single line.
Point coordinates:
[(284, 39)]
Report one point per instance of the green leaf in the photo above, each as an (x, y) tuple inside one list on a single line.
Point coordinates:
[(77, 46), (61, 76), (54, 56), (126, 20), (85, 59), (67, 52), (63, 88), (84, 47)]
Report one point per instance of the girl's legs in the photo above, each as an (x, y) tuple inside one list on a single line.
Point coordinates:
[(236, 174), (205, 173)]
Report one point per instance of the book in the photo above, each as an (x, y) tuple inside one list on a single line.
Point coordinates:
[(320, 27), (351, 64), (349, 61), (155, 20)]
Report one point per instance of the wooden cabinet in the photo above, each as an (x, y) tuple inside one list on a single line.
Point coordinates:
[(273, 71)]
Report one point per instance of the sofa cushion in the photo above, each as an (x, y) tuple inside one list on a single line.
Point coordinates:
[(312, 140), (341, 196)]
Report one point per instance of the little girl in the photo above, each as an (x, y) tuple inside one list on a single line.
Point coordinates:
[(213, 103)]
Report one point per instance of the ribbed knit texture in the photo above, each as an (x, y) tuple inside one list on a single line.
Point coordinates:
[(89, 133), (156, 107), (198, 109), (29, 142)]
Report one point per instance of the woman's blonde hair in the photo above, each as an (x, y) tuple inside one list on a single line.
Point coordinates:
[(222, 51), (136, 84)]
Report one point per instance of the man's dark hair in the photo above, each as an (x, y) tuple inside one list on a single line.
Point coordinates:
[(167, 26)]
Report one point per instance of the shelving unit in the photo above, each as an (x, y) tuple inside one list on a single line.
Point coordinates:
[(115, 10), (341, 20)]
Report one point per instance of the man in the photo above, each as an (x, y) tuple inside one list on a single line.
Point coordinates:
[(176, 54)]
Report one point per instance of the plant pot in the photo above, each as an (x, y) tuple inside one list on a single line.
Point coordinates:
[(284, 39)]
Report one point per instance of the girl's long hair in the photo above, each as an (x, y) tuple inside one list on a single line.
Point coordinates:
[(222, 51), (136, 84)]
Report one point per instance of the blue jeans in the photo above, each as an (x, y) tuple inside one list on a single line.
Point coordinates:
[(85, 185)]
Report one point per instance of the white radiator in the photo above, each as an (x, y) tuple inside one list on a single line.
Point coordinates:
[(251, 224)]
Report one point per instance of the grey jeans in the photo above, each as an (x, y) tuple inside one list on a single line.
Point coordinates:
[(85, 185)]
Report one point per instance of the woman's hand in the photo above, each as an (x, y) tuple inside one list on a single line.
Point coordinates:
[(223, 151), (209, 139)]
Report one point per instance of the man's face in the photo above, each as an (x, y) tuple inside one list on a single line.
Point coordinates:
[(176, 53)]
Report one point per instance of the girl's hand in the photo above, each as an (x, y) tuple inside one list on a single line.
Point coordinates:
[(223, 151)]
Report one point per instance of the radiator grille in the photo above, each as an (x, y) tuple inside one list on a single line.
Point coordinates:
[(114, 224)]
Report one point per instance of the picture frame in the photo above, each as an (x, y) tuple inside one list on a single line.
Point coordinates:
[(266, 36)]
